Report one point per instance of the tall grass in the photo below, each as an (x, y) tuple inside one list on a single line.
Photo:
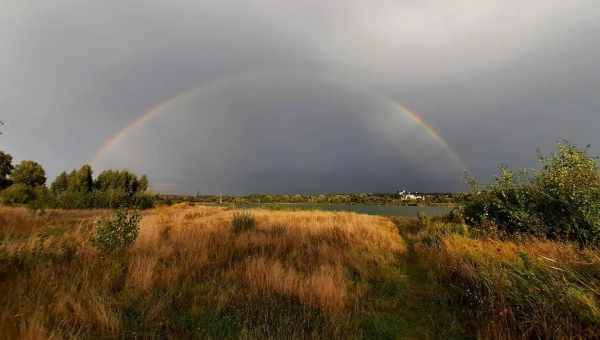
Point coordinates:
[(292, 275), (189, 274), (243, 221), (509, 289)]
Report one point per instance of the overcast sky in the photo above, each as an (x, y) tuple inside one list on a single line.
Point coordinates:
[(298, 96)]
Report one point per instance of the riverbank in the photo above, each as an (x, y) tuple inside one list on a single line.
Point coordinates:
[(391, 199)]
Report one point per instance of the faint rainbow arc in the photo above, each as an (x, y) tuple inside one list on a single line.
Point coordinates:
[(114, 139), (139, 121), (434, 133)]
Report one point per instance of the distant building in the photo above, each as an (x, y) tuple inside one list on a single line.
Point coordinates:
[(407, 196)]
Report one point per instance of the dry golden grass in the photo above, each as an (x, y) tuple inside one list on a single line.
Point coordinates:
[(518, 290), (300, 254), (23, 231), (20, 221), (303, 274), (324, 288), (61, 287), (550, 254)]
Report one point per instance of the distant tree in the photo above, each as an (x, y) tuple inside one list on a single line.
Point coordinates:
[(29, 173), (60, 184), (117, 180), (72, 182), (106, 180), (86, 181), (80, 180), (5, 169)]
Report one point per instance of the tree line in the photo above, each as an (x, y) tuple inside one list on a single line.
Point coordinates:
[(25, 184), (444, 199)]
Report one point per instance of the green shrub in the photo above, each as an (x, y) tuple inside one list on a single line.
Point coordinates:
[(507, 203), (454, 216), (142, 201), (560, 200), (243, 221), (423, 220), (567, 195), (17, 194), (41, 200), (117, 233), (74, 199)]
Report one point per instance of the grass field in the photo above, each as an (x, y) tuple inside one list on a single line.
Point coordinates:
[(194, 273)]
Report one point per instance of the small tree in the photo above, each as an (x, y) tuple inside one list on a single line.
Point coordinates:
[(6, 168), (117, 233), (81, 180), (60, 184)]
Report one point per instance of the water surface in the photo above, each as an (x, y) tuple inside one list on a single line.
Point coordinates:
[(383, 210)]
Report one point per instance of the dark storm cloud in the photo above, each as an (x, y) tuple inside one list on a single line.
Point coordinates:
[(497, 79), (257, 132), (79, 71)]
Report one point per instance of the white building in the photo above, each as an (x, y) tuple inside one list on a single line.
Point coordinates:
[(407, 196)]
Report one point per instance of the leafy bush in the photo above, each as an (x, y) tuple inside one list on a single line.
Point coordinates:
[(567, 195), (117, 233), (243, 221), (142, 201), (17, 194), (73, 200), (560, 200), (42, 199), (505, 204)]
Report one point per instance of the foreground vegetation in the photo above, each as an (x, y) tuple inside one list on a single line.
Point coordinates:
[(210, 272), (193, 271), (519, 260), (503, 289)]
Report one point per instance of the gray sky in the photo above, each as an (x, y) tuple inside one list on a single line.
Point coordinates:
[(298, 96)]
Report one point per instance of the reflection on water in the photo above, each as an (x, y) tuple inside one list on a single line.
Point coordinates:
[(384, 210)]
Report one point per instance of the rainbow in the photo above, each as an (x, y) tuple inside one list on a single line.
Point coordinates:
[(434, 133), (113, 140)]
